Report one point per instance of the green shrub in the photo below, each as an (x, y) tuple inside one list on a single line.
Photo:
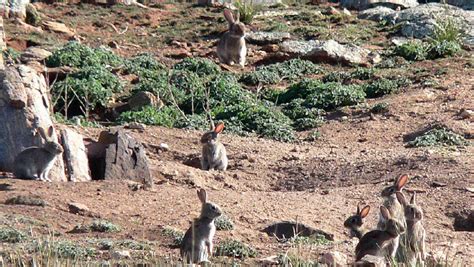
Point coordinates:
[(304, 118), (143, 63), (201, 66), (274, 73), (26, 200), (235, 248), (223, 223), (448, 30), (313, 136), (412, 50), (74, 54), (166, 116), (91, 87), (317, 240), (11, 54), (132, 244), (11, 235), (363, 73), (104, 226), (381, 107), (70, 250), (444, 49), (188, 90), (175, 235), (381, 87), (439, 137), (337, 76), (247, 10)]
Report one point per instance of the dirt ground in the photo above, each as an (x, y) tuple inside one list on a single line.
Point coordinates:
[(318, 183)]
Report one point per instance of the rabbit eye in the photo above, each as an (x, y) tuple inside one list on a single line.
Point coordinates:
[(213, 208), (353, 220)]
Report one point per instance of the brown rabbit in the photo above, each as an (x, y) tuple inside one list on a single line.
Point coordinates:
[(396, 209), (354, 222), (231, 48), (376, 241), (415, 232), (214, 155)]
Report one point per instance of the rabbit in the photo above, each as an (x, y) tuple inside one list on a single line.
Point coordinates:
[(197, 244), (375, 241), (35, 162), (231, 48), (354, 222), (214, 155), (396, 209), (415, 232)]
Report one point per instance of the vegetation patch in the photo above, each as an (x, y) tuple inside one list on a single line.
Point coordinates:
[(379, 108), (235, 248), (74, 54), (316, 240), (200, 66), (275, 73), (224, 223), (26, 200), (176, 236), (66, 249), (412, 50), (438, 137), (104, 226), (11, 54), (11, 235)]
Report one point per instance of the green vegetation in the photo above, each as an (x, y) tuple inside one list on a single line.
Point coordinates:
[(74, 54), (200, 66), (26, 200), (104, 226), (224, 223), (11, 235), (11, 54), (381, 107), (275, 73), (235, 248), (316, 240), (438, 137), (247, 10), (383, 87), (176, 236), (66, 249), (166, 116), (412, 50)]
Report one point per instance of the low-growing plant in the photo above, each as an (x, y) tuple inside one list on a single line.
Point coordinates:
[(10, 54), (313, 136), (444, 48), (142, 63), (412, 50), (224, 223), (26, 200), (363, 73), (275, 73), (166, 116), (247, 10), (235, 248), (175, 235), (11, 235), (200, 66), (381, 107), (381, 87), (132, 244), (438, 137), (316, 240), (67, 249), (104, 226), (337, 76), (74, 54), (304, 118)]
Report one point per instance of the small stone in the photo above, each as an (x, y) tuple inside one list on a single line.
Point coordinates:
[(58, 27), (269, 261), (438, 184), (466, 114), (470, 189), (164, 146), (121, 254), (271, 48), (78, 208), (370, 260), (136, 126), (346, 12), (334, 259), (333, 11)]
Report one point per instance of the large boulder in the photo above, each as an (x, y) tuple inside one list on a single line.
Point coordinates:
[(75, 157), (14, 8), (364, 4), (264, 38), (379, 13), (330, 51), (34, 53)]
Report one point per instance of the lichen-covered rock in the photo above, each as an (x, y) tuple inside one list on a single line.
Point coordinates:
[(376, 14), (264, 38), (34, 53), (330, 51), (75, 156), (364, 4)]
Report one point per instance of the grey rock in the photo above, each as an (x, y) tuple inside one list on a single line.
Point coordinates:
[(370, 260), (376, 14), (75, 156), (364, 4), (142, 99), (264, 38), (287, 229), (78, 208), (330, 51), (34, 54)]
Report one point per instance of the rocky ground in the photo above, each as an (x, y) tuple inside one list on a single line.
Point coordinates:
[(318, 182)]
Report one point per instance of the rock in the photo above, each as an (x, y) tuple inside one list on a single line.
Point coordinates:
[(286, 229), (14, 9), (32, 16), (271, 48), (346, 12), (364, 4), (279, 13), (330, 51), (121, 254), (34, 53), (78, 208), (334, 259), (264, 38), (164, 147), (58, 27), (465, 4), (77, 164), (466, 114), (333, 11), (3, 44), (398, 41), (370, 261), (142, 99), (376, 14), (136, 126), (125, 157), (270, 261)]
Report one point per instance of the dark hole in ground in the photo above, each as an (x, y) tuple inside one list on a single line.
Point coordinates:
[(96, 157), (193, 160), (288, 229), (5, 187), (463, 220)]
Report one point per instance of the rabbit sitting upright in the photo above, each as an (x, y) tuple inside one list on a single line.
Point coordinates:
[(214, 155), (197, 244), (35, 162), (231, 48), (354, 222)]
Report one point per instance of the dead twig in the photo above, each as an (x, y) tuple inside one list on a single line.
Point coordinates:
[(117, 30)]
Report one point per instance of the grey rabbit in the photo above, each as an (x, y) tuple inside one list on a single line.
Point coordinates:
[(396, 209), (415, 233), (231, 48), (197, 244), (354, 222), (214, 155), (375, 241), (35, 162)]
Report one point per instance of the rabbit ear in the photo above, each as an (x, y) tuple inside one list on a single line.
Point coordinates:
[(228, 16), (202, 196), (50, 131), (385, 213), (401, 182), (237, 17), (358, 209), (365, 211), (413, 199), (401, 198), (219, 128), (42, 133)]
